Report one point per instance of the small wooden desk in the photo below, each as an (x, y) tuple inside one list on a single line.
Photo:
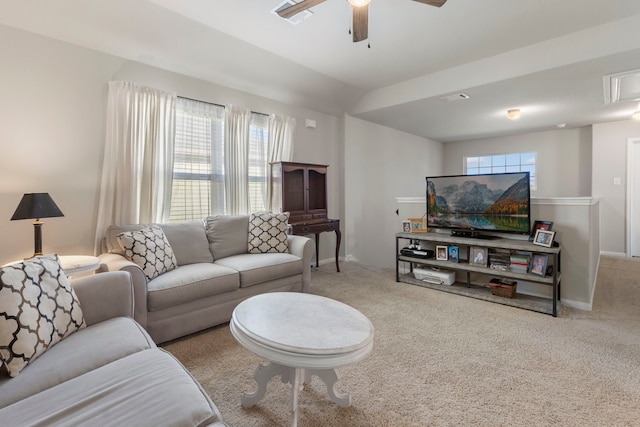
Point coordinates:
[(317, 226)]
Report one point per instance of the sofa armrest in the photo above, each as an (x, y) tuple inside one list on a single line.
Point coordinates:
[(115, 262), (304, 248), (104, 296)]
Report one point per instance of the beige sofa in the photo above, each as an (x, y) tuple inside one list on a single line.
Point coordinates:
[(108, 374), (215, 273)]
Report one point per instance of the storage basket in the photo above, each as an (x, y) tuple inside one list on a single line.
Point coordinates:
[(502, 289)]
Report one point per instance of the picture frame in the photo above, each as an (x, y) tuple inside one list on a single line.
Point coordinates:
[(418, 225), (442, 253), (406, 226), (540, 225), (538, 265), (454, 253), (544, 238), (478, 256)]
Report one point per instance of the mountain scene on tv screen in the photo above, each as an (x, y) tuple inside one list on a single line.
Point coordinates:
[(469, 203)]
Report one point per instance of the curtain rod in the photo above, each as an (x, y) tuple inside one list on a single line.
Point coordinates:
[(217, 105)]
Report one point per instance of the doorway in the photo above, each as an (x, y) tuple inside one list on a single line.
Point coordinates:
[(633, 197)]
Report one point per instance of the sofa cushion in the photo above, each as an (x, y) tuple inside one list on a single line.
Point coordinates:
[(259, 268), (189, 241), (149, 249), (81, 352), (147, 388), (227, 235), (268, 233), (38, 308), (190, 282)]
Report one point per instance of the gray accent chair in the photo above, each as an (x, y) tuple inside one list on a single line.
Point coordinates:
[(109, 374)]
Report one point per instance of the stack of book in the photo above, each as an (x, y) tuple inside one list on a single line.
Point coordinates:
[(519, 261), (499, 259)]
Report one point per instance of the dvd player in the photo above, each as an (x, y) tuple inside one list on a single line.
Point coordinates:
[(417, 253)]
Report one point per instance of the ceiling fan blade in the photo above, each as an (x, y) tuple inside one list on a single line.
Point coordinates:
[(360, 23), (298, 7), (436, 3)]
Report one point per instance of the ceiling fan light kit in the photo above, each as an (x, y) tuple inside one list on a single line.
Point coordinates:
[(359, 3), (359, 9), (514, 114)]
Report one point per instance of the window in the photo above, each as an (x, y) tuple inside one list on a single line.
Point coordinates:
[(258, 140), (501, 163), (199, 169)]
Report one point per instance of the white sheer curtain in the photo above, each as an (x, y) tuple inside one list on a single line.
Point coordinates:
[(280, 146), (236, 148), (138, 157)]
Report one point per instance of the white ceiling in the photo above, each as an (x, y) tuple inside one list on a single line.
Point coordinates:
[(546, 57)]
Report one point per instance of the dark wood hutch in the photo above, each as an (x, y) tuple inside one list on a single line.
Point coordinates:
[(301, 190)]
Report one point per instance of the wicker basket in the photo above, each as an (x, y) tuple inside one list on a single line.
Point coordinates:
[(502, 289)]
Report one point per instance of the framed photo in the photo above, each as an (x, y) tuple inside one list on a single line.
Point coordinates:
[(478, 256), (539, 264), (544, 238), (453, 253), (441, 253), (540, 225), (406, 226), (418, 225)]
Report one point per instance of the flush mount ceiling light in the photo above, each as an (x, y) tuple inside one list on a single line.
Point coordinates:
[(514, 114)]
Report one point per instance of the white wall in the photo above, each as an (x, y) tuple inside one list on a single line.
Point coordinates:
[(381, 164), (563, 158), (52, 115), (53, 109), (610, 161)]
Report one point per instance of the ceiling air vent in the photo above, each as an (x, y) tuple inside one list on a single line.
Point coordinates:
[(295, 19), (455, 97), (622, 87)]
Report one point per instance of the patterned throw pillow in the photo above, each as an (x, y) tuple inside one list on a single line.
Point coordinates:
[(38, 308), (149, 249), (268, 232)]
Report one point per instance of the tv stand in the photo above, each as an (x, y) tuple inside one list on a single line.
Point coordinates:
[(431, 239)]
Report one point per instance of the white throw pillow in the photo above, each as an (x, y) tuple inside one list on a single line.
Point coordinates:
[(268, 232), (38, 308), (149, 249)]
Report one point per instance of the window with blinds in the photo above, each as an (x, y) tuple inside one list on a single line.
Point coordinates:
[(258, 164), (198, 188)]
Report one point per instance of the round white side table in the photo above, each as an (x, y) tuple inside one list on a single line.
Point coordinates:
[(76, 265)]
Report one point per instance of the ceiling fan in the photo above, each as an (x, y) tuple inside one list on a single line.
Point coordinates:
[(360, 13)]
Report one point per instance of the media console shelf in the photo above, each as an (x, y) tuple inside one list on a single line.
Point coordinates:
[(464, 244)]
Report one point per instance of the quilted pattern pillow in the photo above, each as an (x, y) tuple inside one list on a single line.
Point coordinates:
[(38, 308), (149, 249), (268, 232)]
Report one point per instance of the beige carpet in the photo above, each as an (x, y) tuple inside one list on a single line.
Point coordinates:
[(447, 360)]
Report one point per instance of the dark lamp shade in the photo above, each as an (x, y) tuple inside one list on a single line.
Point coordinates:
[(36, 205)]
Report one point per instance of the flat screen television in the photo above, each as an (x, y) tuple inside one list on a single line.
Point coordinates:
[(498, 202)]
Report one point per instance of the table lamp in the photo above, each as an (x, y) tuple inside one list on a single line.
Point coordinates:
[(36, 206)]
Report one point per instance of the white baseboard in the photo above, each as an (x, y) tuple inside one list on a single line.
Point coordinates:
[(615, 254), (332, 260), (577, 304)]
